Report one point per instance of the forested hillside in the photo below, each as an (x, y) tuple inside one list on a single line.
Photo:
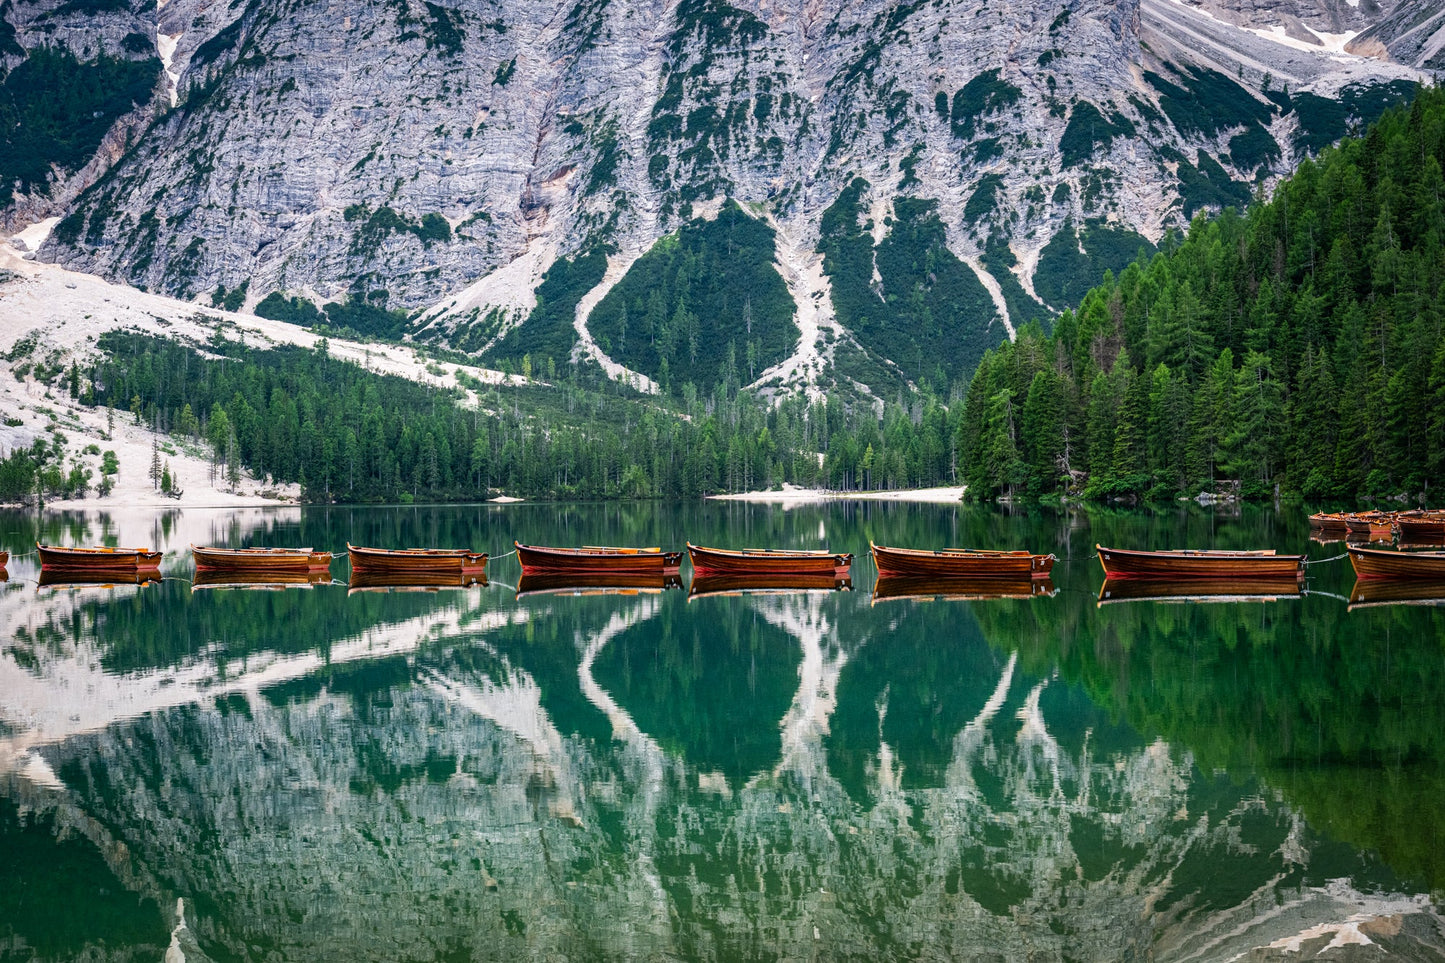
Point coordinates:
[(346, 434), (1297, 347)]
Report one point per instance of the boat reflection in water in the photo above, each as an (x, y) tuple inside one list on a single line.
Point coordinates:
[(1371, 592), (712, 585), (960, 589), (1199, 590), (622, 583), (364, 581), (60, 580), (275, 581)]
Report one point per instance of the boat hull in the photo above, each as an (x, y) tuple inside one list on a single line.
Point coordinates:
[(256, 562), (97, 561), (4, 560), (1329, 522), (441, 563), (1187, 564), (544, 560), (710, 562), (1421, 528), (960, 563), (1374, 524), (1372, 563)]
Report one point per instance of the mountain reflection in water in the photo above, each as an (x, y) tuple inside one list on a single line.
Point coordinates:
[(612, 774)]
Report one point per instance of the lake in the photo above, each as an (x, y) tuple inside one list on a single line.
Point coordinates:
[(315, 773)]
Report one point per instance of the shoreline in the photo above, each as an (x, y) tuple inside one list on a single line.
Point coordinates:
[(793, 495)]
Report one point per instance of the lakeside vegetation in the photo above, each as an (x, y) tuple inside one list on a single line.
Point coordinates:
[(1295, 348)]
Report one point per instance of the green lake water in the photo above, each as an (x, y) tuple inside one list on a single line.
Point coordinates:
[(317, 774)]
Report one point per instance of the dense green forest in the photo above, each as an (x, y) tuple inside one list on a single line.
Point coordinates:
[(346, 434), (1296, 347), (701, 306)]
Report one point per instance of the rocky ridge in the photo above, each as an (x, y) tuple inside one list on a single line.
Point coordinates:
[(411, 155)]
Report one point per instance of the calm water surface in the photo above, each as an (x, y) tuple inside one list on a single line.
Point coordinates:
[(317, 774)]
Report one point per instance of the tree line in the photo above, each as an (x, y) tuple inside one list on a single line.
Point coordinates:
[(1295, 348), (346, 434)]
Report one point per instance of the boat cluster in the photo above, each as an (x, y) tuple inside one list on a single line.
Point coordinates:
[(902, 572)]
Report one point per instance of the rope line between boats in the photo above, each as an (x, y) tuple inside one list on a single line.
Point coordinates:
[(498, 558)]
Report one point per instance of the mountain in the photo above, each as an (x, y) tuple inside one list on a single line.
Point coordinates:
[(862, 196)]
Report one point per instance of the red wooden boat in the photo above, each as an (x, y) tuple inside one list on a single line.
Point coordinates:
[(623, 583), (922, 588), (443, 562), (1188, 563), (597, 560), (960, 563), (98, 561), (1333, 522), (1198, 590), (4, 560), (260, 561), (1374, 524), (1424, 525), (765, 561), (1383, 563), (785, 584)]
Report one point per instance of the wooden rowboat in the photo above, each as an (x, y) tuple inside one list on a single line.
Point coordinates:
[(622, 583), (98, 561), (1374, 524), (4, 560), (444, 562), (1383, 563), (925, 589), (260, 561), (597, 560), (1329, 522), (750, 584), (1198, 590), (1425, 525), (707, 562), (1199, 563), (960, 563)]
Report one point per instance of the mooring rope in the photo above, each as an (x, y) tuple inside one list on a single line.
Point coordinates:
[(1332, 558), (498, 558)]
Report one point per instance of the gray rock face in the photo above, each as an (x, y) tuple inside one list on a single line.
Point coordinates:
[(406, 150), (1413, 33)]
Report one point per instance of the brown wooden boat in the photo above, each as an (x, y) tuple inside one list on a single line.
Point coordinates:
[(960, 563), (925, 589), (1384, 563), (413, 581), (622, 583), (707, 562), (784, 584), (1420, 526), (1374, 524), (1329, 522), (97, 561), (597, 560), (273, 581), (1199, 590), (1372, 592), (437, 562), (1188, 563), (260, 561), (4, 560)]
